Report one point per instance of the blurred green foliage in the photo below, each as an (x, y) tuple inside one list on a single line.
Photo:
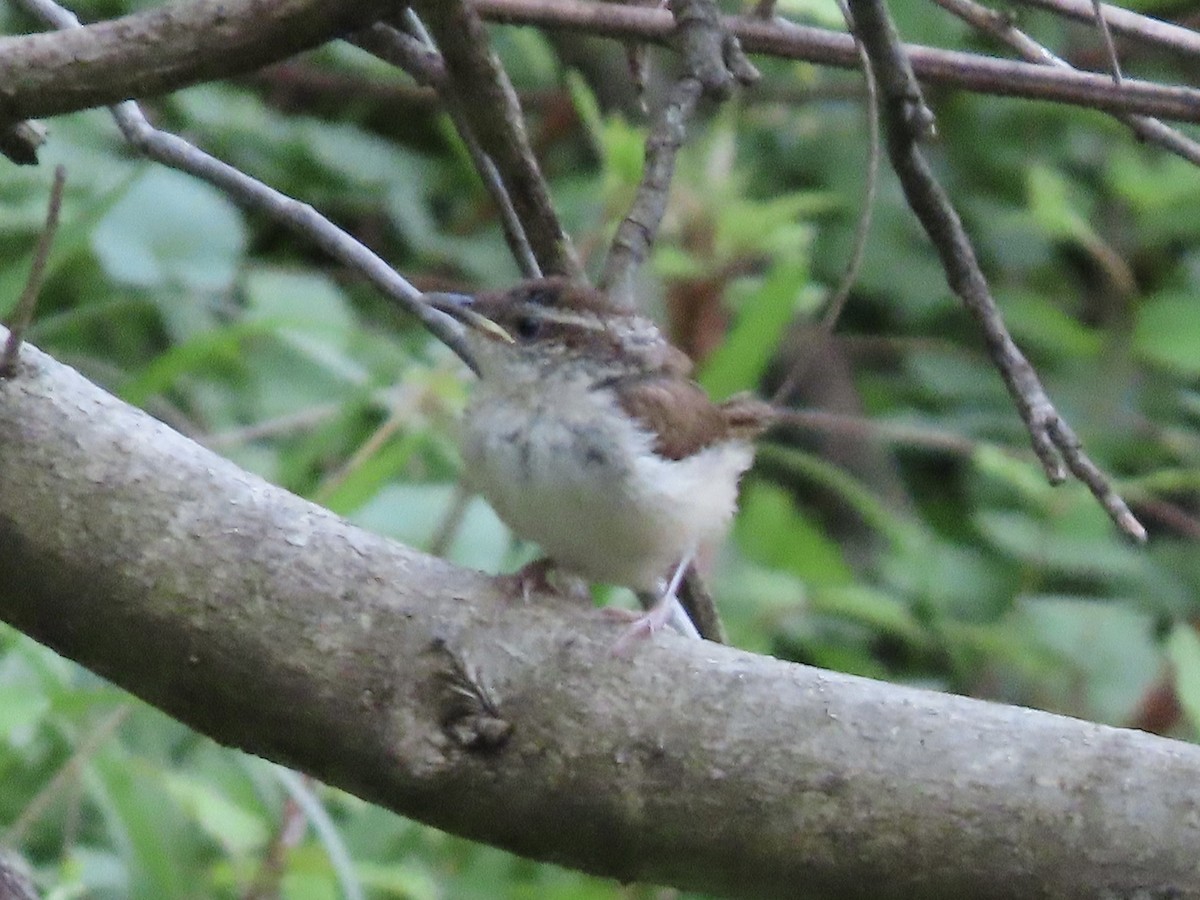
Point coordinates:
[(959, 569)]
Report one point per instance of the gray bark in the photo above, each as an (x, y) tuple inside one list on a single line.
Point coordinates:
[(274, 626)]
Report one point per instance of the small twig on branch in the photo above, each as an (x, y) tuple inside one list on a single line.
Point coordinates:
[(907, 118), (290, 831), (1110, 48), (22, 313), (249, 193), (1001, 28), (418, 56), (858, 252), (490, 105), (1125, 22)]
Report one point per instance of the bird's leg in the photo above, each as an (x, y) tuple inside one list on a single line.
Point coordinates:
[(666, 608), (532, 578)]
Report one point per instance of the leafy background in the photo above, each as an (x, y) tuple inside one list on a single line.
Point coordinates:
[(955, 568)]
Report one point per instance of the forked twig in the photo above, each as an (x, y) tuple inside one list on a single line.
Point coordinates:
[(907, 120)]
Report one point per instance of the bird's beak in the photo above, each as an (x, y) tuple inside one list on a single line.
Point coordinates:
[(459, 308)]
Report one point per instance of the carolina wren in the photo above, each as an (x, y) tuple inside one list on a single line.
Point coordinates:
[(588, 436)]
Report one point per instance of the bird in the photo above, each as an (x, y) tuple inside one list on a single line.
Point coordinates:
[(588, 435)]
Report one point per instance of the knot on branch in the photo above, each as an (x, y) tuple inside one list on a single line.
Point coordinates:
[(711, 53), (469, 713)]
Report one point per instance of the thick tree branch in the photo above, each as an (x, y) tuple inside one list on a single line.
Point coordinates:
[(163, 49), (272, 625)]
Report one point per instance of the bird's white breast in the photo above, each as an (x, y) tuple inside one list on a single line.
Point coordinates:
[(564, 466)]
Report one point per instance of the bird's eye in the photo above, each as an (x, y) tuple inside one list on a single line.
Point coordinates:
[(528, 327), (540, 296)]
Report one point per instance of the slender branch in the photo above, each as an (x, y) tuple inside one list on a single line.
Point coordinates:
[(170, 47), (635, 235), (1000, 27), (489, 104), (272, 625), (819, 45), (897, 433), (288, 833), (418, 56), (908, 120), (1126, 22), (249, 193), (1114, 64), (22, 313), (714, 62), (862, 230)]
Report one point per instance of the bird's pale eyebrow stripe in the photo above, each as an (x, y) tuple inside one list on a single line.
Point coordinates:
[(571, 317)]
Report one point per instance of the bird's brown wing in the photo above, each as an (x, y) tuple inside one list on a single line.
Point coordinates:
[(683, 419)]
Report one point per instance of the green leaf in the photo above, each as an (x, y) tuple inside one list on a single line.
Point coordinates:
[(1110, 645), (171, 230), (1167, 332), (22, 708), (771, 531), (367, 477), (219, 347), (738, 364), (238, 830)]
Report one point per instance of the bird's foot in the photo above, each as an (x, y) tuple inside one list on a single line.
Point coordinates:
[(532, 578), (542, 576), (642, 626)]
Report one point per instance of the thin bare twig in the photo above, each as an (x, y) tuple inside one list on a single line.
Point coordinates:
[(451, 521), (967, 71), (1110, 48), (1125, 22), (824, 420), (489, 104), (165, 48), (858, 252), (22, 313), (714, 62), (1000, 27), (907, 118), (293, 825), (249, 193), (418, 55)]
